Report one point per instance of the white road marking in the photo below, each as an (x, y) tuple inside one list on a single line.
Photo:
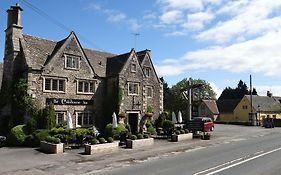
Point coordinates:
[(236, 164)]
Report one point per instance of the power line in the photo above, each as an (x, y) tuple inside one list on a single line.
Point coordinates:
[(56, 22)]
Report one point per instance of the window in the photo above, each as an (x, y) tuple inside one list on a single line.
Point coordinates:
[(245, 107), (149, 92), (56, 85), (147, 71), (86, 87), (72, 62), (133, 67), (60, 118), (85, 118), (133, 89)]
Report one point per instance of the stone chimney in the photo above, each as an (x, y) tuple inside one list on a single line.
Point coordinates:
[(14, 29), (269, 94)]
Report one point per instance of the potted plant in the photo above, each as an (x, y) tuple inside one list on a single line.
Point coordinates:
[(52, 145), (149, 111)]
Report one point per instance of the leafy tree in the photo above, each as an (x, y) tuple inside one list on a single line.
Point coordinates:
[(48, 117), (254, 92), (167, 95)]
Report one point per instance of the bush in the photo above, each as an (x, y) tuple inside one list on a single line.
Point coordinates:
[(110, 140), (110, 132), (31, 125), (133, 137), (102, 140), (146, 136), (139, 136), (30, 141), (178, 132), (94, 141), (186, 131), (63, 137), (51, 139), (168, 124), (160, 120), (17, 136), (182, 131), (81, 131), (40, 135), (151, 130)]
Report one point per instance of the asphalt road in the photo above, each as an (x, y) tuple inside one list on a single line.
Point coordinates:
[(254, 154), (231, 150)]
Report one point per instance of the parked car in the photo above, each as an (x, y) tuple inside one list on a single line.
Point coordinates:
[(203, 124), (268, 122), (2, 141)]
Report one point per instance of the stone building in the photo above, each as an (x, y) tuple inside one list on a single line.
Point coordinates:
[(80, 82)]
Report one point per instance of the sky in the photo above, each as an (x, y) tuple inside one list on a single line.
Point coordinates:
[(220, 41)]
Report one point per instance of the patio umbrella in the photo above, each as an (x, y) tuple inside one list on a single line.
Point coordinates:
[(174, 118), (179, 117), (69, 121), (114, 120)]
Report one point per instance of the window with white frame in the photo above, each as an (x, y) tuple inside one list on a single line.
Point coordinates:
[(60, 118), (147, 71), (84, 118), (86, 86), (133, 88), (54, 84), (72, 62), (149, 92)]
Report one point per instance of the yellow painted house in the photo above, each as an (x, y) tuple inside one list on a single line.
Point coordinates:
[(226, 109), (264, 106)]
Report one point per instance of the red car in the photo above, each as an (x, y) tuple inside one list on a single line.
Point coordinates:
[(203, 124)]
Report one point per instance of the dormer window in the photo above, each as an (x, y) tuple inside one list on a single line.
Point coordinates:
[(71, 62)]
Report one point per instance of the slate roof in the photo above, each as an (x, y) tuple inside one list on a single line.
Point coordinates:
[(38, 52), (212, 105), (227, 105), (141, 55), (265, 103), (115, 64)]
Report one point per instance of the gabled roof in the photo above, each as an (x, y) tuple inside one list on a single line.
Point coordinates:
[(115, 64), (265, 103), (227, 105), (212, 105), (141, 55), (37, 50)]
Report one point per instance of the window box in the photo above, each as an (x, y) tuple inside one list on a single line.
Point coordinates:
[(139, 143)]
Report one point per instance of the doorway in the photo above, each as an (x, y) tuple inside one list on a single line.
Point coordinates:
[(133, 120)]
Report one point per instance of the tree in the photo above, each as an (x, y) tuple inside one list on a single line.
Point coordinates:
[(167, 95), (254, 92)]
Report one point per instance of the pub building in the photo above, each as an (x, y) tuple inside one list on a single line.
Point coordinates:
[(79, 81)]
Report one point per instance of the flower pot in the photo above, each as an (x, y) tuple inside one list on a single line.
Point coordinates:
[(51, 148)]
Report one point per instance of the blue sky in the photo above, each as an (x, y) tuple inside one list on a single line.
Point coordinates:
[(221, 41)]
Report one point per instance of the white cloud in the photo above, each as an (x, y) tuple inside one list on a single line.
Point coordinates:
[(216, 89), (182, 4), (196, 21), (116, 17), (170, 17), (274, 89), (258, 55)]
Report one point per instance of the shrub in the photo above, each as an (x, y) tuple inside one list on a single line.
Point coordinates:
[(48, 117), (186, 130), (31, 125), (40, 135), (182, 131), (133, 137), (151, 130), (168, 124), (110, 140), (178, 132), (94, 141), (63, 137), (30, 141), (139, 136), (51, 139), (17, 135), (160, 120), (102, 140), (146, 136), (110, 132)]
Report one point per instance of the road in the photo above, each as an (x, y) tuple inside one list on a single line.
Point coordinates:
[(231, 150), (254, 154)]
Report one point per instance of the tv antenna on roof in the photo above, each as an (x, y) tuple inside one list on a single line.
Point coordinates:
[(135, 39)]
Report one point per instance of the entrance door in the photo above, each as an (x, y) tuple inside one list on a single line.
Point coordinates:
[(133, 122)]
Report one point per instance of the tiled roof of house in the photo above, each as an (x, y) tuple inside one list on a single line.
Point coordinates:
[(212, 105), (265, 103), (115, 64), (141, 55), (39, 50), (227, 105)]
